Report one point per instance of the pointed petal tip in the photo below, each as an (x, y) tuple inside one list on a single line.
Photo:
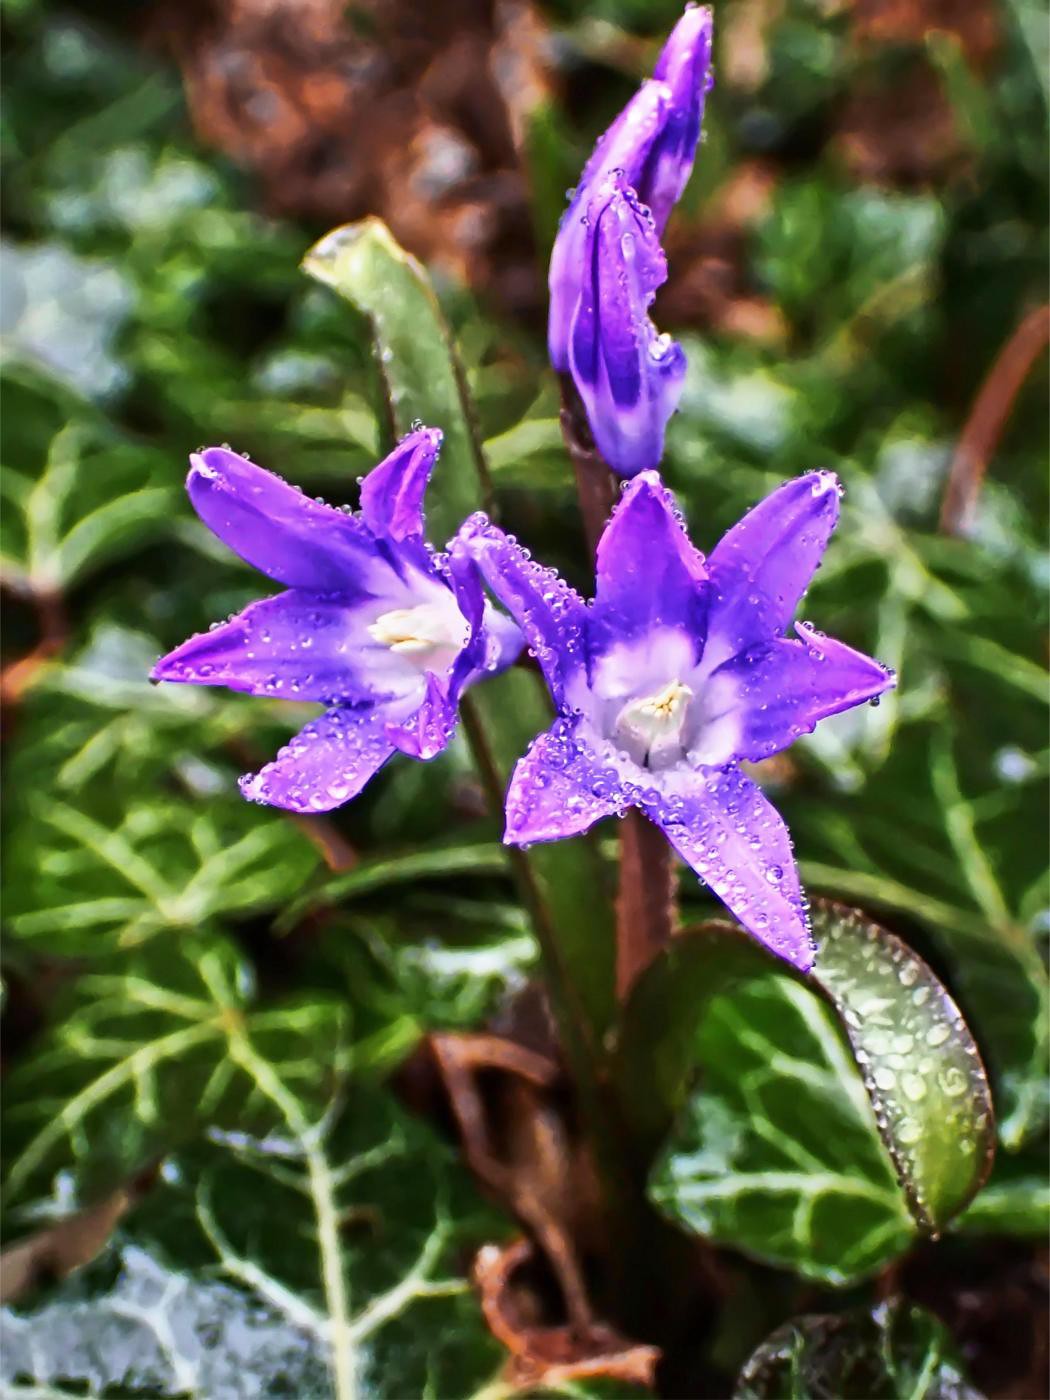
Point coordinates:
[(249, 786), (880, 678), (432, 434), (170, 667), (200, 470), (824, 483), (430, 439), (696, 21), (806, 960), (214, 462), (474, 527), (650, 477)]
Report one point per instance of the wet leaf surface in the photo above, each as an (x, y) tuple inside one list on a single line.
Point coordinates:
[(891, 1351), (752, 1160)]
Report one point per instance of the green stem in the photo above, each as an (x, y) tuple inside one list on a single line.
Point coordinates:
[(578, 1044)]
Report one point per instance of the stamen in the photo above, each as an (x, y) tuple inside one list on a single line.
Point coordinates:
[(429, 635), (650, 726)]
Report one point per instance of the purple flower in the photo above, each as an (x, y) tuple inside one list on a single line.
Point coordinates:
[(606, 242), (371, 624), (676, 672), (652, 142), (628, 375)]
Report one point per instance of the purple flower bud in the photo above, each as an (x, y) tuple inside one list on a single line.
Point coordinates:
[(628, 375), (653, 142)]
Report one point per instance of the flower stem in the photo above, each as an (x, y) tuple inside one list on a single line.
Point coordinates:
[(645, 901), (596, 485), (578, 1045)]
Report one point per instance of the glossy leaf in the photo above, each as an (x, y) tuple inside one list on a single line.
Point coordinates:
[(306, 1260), (752, 1160), (415, 355), (894, 1350), (920, 1065), (147, 1051), (157, 869)]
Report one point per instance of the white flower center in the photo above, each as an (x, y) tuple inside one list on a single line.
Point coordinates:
[(429, 636), (650, 726)]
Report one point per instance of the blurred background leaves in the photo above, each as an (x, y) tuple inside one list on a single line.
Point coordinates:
[(203, 999)]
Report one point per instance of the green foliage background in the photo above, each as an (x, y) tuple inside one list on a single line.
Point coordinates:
[(186, 981)]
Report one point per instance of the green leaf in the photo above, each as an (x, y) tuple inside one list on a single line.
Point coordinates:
[(417, 362), (423, 380), (320, 1258), (151, 1046), (1015, 1205), (837, 1113), (893, 1351), (92, 499), (171, 865), (921, 1067)]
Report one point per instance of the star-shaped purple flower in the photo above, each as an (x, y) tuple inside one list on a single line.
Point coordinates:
[(676, 672), (372, 624)]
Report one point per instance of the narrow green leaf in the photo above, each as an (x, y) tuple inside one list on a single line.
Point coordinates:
[(1019, 1206), (423, 380), (441, 862), (417, 363)]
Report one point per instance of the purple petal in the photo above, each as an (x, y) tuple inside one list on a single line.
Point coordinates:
[(495, 640), (764, 698), (274, 527), (724, 828), (559, 788), (685, 66), (300, 646), (763, 565), (504, 640), (327, 763), (551, 615), (392, 492), (291, 646), (629, 376), (649, 575), (623, 147), (427, 731)]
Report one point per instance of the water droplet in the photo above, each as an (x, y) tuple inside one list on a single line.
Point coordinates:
[(914, 1087)]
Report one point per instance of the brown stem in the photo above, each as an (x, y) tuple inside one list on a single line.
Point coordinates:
[(645, 902), (595, 482), (17, 678), (984, 427)]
